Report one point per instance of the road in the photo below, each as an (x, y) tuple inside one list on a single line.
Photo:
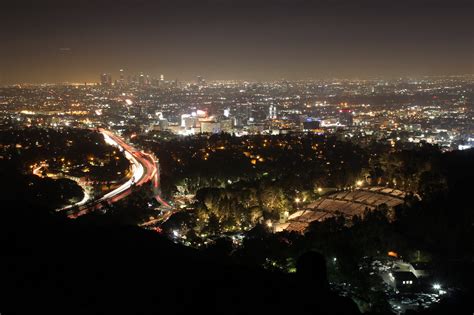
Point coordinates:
[(144, 170)]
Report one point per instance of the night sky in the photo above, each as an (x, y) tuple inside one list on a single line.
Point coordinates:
[(57, 41)]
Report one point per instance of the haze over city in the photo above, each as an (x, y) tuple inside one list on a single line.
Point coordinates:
[(64, 41), (237, 157)]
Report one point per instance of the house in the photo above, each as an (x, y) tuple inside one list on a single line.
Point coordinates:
[(404, 281), (421, 270)]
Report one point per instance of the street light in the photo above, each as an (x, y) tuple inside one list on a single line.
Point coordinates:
[(437, 286)]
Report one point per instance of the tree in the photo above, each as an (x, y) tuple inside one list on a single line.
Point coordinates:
[(213, 224)]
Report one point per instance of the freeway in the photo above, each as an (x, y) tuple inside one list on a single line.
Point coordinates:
[(144, 170)]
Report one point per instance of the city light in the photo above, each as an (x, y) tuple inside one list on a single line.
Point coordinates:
[(238, 155)]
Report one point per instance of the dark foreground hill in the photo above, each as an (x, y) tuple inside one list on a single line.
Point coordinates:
[(54, 265)]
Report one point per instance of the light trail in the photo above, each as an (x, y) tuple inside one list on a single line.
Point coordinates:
[(143, 170)]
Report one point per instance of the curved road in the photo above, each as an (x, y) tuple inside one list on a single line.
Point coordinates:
[(144, 169)]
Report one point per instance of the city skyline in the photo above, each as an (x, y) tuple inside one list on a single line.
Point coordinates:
[(237, 156), (59, 41)]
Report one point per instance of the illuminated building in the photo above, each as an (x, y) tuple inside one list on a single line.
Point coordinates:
[(106, 79), (210, 126), (272, 112), (345, 117)]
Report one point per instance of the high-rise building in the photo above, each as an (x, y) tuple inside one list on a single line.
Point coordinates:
[(227, 125), (226, 112), (200, 80), (345, 117), (159, 114), (142, 79), (105, 79), (272, 112), (189, 121), (122, 77), (210, 126), (164, 124)]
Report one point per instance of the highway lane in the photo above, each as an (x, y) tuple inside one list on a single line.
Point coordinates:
[(144, 170)]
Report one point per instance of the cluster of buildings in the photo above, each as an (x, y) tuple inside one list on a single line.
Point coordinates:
[(140, 80), (436, 110)]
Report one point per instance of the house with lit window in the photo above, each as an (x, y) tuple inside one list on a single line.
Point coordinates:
[(404, 281)]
